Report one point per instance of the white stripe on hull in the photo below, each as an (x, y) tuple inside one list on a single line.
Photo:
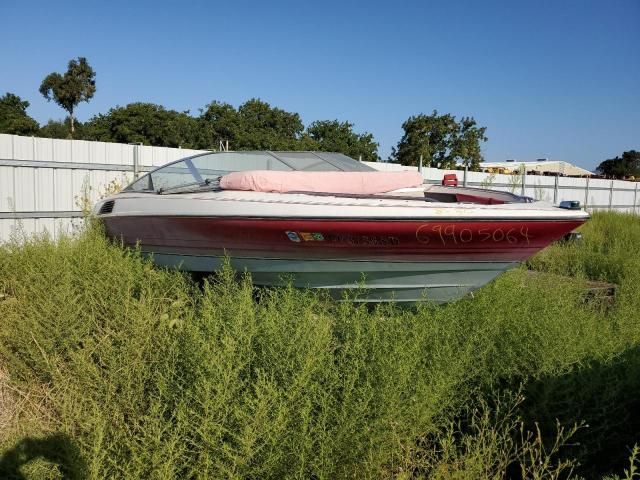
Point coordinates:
[(379, 281), (289, 205)]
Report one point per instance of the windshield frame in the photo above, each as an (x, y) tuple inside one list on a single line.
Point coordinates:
[(150, 188)]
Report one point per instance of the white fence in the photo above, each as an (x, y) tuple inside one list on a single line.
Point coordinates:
[(43, 181), (593, 193)]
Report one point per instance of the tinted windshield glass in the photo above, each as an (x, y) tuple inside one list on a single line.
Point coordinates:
[(210, 166), (225, 162), (344, 163), (306, 161)]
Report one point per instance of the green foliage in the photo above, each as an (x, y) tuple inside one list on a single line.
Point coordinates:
[(335, 136), (148, 375), (146, 123), (222, 124), (492, 443), (602, 390), (606, 253), (633, 472), (255, 125), (76, 85), (14, 118), (211, 383), (62, 129), (621, 167), (441, 141), (267, 128), (517, 178)]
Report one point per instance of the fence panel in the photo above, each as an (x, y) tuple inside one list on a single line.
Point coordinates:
[(44, 182)]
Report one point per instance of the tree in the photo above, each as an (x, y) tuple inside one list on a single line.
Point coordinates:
[(263, 127), (466, 145), (255, 125), (14, 118), (621, 167), (335, 136), (441, 141), (221, 124), (146, 123), (60, 129), (76, 85)]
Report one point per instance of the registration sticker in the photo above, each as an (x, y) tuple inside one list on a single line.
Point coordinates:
[(305, 236), (293, 236)]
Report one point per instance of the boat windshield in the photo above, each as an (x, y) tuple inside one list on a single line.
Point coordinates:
[(205, 169)]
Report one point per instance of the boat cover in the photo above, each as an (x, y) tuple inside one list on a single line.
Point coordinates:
[(363, 183)]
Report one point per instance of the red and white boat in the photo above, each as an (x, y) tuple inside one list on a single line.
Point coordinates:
[(324, 220)]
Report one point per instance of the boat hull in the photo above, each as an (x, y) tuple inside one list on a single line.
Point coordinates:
[(366, 281), (394, 260)]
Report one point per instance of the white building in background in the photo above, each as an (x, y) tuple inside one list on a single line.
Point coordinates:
[(542, 166)]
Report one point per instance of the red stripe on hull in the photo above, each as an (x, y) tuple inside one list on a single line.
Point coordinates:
[(469, 240)]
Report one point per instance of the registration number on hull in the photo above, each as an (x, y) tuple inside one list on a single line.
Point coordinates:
[(454, 234)]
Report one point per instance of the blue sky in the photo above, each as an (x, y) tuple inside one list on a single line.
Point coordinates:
[(557, 79)]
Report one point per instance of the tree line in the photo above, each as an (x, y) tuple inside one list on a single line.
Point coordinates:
[(255, 125), (438, 140), (625, 166)]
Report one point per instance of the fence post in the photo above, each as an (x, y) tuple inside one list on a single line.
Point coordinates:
[(611, 195), (420, 165), (464, 178), (136, 159), (35, 173), (586, 194), (555, 190), (135, 162), (635, 198)]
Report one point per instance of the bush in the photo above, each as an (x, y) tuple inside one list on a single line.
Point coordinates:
[(143, 374)]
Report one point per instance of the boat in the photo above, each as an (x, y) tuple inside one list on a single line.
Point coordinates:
[(326, 221)]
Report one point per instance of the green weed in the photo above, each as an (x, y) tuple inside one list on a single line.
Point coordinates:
[(140, 373)]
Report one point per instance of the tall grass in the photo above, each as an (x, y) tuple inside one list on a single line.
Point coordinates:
[(140, 373), (608, 251)]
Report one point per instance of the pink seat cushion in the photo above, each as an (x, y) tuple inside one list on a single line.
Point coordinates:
[(364, 183)]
